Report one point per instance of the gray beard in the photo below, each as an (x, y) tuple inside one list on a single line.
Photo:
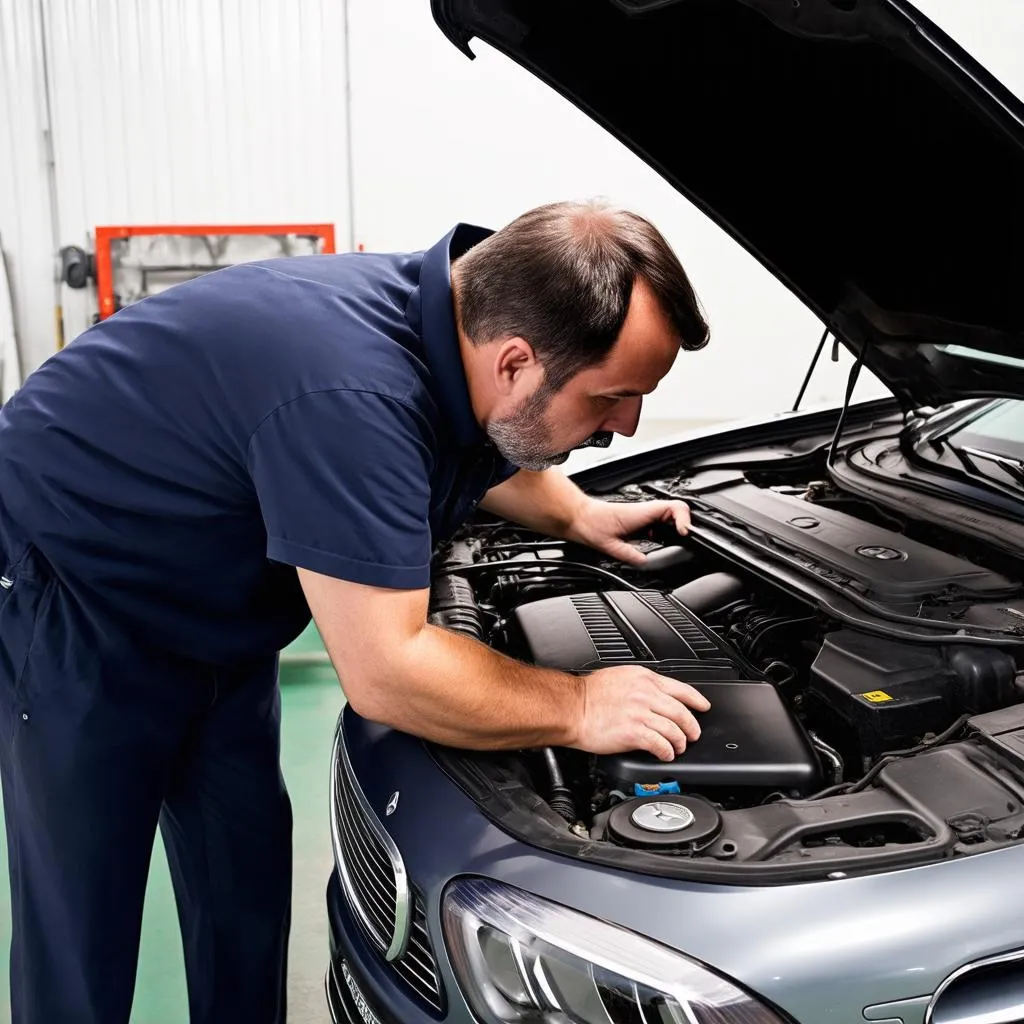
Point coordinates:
[(522, 437)]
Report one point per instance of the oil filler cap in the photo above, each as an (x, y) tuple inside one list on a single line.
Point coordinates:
[(658, 816), (664, 823)]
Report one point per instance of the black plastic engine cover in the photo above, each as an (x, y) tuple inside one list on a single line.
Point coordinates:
[(591, 631), (884, 566), (893, 693), (749, 739)]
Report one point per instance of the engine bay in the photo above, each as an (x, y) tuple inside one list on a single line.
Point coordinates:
[(864, 674)]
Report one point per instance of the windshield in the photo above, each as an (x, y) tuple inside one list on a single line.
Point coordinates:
[(999, 430)]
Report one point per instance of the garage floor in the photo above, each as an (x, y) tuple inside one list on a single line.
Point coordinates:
[(312, 700)]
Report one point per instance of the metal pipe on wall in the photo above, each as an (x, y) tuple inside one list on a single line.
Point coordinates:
[(51, 177)]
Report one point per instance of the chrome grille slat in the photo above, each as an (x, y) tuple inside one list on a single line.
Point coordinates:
[(372, 871), (418, 958), (415, 975), (376, 909), (417, 967), (381, 908), (368, 845), (359, 863), (369, 874)]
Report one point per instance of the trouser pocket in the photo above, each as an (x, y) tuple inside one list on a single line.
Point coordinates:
[(26, 586)]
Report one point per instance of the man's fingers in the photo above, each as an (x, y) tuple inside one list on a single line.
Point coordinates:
[(668, 707), (624, 552), (684, 692), (663, 738), (681, 516)]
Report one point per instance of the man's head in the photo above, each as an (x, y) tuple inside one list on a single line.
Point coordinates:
[(568, 316)]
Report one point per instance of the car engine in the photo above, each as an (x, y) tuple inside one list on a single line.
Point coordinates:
[(823, 741)]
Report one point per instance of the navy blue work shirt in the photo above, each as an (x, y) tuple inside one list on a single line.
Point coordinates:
[(176, 460)]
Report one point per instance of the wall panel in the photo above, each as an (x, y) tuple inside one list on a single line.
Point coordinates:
[(196, 111)]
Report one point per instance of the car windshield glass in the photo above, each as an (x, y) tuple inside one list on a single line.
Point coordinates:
[(999, 430)]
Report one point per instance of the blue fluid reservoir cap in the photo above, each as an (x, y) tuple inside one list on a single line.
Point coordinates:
[(655, 788)]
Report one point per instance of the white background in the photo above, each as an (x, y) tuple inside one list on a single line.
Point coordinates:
[(193, 111)]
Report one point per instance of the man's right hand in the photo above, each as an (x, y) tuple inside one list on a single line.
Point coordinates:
[(632, 708)]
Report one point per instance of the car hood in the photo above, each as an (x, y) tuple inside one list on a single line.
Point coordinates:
[(850, 145)]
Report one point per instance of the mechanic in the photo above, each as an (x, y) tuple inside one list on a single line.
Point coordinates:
[(181, 485)]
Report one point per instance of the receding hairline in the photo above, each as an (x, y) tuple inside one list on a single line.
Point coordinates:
[(603, 250), (593, 220)]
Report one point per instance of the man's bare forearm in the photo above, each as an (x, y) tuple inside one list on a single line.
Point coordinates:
[(453, 690), (547, 501)]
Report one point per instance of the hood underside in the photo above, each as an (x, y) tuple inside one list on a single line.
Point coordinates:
[(850, 145)]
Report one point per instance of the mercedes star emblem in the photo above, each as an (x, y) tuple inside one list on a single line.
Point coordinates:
[(880, 553)]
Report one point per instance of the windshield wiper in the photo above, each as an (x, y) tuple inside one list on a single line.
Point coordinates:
[(969, 467), (1014, 468)]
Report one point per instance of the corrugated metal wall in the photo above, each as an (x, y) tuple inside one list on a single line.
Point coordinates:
[(188, 111), (25, 227)]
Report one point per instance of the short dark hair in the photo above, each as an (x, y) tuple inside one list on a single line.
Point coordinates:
[(561, 276)]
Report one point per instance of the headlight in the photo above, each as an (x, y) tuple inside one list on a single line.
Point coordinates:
[(519, 958)]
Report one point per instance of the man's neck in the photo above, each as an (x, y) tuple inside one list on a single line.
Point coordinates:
[(472, 365)]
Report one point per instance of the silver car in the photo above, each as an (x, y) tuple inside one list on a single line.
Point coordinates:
[(844, 843)]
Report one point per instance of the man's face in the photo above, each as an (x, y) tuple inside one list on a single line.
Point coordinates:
[(543, 427)]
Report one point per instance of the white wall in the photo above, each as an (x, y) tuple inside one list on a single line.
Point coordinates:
[(235, 110), (26, 238), (438, 138), (188, 112)]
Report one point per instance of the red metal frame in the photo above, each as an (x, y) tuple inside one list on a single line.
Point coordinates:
[(104, 236)]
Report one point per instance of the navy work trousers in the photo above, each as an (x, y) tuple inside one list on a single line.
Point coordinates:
[(101, 740)]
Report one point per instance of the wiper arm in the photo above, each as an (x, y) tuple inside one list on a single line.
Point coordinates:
[(967, 462), (1012, 467)]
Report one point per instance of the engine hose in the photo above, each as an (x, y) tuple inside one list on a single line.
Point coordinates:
[(561, 799), (453, 606), (829, 754)]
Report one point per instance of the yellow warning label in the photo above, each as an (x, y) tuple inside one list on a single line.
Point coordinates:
[(876, 696)]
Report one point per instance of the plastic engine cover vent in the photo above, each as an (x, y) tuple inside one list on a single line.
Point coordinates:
[(590, 631)]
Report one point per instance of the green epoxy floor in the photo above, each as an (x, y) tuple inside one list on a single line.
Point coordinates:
[(312, 700)]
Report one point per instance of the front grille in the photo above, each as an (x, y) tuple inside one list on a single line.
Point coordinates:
[(417, 966), (373, 877), (989, 990), (603, 630)]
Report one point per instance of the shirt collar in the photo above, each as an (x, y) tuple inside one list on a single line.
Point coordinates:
[(439, 333)]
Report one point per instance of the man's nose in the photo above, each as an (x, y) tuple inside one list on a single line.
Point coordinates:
[(624, 417)]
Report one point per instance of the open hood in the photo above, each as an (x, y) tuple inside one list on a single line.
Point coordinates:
[(850, 145)]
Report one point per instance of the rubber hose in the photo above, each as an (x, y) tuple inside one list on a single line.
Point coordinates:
[(561, 799)]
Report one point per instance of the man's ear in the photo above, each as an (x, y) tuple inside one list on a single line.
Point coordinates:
[(517, 370)]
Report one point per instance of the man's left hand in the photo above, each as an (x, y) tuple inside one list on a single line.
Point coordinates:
[(604, 525)]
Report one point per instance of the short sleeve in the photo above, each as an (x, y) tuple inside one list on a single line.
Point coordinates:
[(343, 482)]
